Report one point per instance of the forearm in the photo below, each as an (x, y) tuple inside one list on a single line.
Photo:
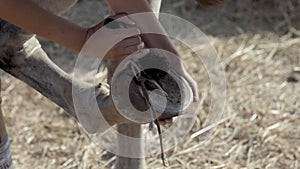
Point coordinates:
[(32, 18), (147, 23)]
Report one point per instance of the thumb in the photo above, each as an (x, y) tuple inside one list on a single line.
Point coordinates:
[(123, 33)]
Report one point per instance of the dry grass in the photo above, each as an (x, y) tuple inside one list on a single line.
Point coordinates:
[(261, 127)]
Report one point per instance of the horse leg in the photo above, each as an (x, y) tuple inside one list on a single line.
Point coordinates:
[(132, 130)]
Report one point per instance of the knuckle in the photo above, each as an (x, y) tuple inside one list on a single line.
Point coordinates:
[(132, 49), (138, 39), (118, 45), (141, 45), (136, 30), (135, 48)]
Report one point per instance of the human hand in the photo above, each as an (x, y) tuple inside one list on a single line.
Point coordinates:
[(114, 38), (193, 84), (176, 63), (179, 68)]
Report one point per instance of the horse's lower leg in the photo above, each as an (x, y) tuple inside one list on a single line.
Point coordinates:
[(129, 147), (32, 65), (128, 143)]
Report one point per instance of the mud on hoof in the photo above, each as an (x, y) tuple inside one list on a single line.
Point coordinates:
[(152, 77)]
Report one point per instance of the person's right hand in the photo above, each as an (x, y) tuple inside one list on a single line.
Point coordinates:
[(121, 41)]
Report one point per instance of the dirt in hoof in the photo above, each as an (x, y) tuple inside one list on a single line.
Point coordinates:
[(161, 78)]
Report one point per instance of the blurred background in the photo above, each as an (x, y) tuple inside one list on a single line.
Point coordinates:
[(258, 42)]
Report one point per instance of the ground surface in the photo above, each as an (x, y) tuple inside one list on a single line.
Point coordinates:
[(258, 42)]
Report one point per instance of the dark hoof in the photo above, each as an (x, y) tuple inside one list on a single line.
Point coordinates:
[(173, 93)]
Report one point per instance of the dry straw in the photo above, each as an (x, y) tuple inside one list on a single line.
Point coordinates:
[(258, 42)]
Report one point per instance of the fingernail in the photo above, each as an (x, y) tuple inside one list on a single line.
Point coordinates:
[(141, 45), (140, 54), (131, 23), (143, 52), (146, 51)]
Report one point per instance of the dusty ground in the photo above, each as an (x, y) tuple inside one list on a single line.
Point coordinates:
[(258, 42)]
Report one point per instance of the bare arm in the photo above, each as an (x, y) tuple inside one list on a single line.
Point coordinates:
[(149, 23), (32, 18), (146, 23)]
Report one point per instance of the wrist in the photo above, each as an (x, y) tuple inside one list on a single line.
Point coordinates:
[(83, 36), (159, 41)]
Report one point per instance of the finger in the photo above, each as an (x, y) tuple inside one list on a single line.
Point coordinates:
[(124, 33), (122, 17), (166, 121), (162, 122), (194, 87), (130, 49), (193, 84), (141, 46), (140, 54), (174, 119), (136, 55), (131, 41), (169, 121)]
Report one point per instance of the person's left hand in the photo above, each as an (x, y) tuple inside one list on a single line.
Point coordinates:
[(116, 32)]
